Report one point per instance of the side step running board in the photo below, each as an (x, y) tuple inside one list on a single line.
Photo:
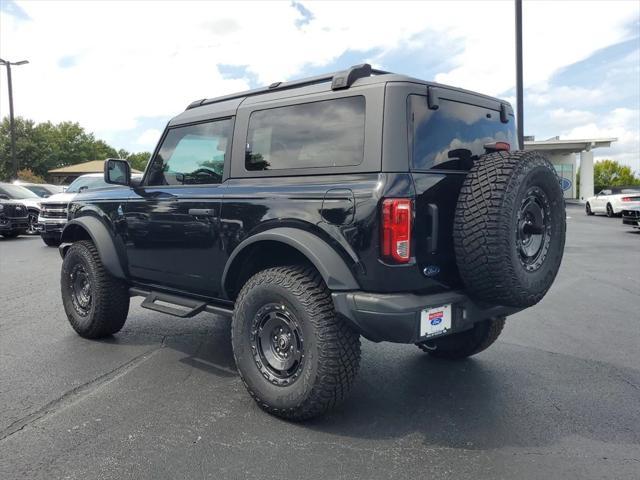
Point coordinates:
[(158, 301)]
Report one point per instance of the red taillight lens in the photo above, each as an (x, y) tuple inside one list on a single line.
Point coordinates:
[(497, 147), (396, 229), (627, 199)]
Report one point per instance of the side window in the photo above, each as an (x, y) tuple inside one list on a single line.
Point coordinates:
[(454, 135), (192, 155), (328, 133)]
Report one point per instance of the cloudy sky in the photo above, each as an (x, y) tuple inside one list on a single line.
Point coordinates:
[(122, 69)]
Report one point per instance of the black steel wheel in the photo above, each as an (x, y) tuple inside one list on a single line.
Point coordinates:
[(533, 231), (80, 289), (278, 343), (96, 303), (296, 357)]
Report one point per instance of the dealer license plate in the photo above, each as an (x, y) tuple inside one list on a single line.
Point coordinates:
[(435, 321)]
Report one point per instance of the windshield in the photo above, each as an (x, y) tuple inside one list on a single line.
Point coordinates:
[(90, 182), (17, 192), (38, 190)]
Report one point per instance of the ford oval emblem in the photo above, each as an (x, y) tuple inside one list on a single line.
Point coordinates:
[(436, 321), (431, 270), (565, 183)]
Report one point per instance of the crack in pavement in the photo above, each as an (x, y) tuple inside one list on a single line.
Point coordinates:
[(72, 396)]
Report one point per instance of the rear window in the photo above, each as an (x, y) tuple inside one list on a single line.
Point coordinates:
[(328, 133), (454, 135)]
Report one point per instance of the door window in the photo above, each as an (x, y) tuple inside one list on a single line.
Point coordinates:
[(192, 155)]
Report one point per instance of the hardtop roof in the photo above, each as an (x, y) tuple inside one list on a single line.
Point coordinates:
[(356, 76)]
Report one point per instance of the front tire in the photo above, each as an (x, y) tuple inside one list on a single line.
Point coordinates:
[(464, 344), (96, 303), (587, 209), (51, 241), (296, 357)]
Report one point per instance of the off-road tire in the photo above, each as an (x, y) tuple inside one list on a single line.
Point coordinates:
[(587, 209), (331, 347), (464, 344), (109, 297), (486, 232), (51, 241)]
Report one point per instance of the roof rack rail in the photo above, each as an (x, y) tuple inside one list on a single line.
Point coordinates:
[(339, 80)]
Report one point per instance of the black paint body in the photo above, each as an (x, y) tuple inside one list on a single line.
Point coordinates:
[(190, 239)]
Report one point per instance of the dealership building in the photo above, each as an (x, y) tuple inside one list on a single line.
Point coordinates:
[(564, 155)]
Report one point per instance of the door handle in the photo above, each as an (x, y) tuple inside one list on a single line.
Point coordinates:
[(202, 212)]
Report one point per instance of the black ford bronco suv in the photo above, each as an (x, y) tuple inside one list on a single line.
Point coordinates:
[(315, 211)]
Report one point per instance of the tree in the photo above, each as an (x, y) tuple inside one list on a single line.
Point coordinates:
[(27, 175), (609, 173), (44, 146), (138, 160)]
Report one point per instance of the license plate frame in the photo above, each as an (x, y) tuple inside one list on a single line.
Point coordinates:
[(436, 321)]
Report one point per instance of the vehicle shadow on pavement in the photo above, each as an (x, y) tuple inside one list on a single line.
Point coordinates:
[(511, 396), (508, 396)]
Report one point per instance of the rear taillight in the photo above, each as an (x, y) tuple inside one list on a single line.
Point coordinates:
[(627, 199), (497, 147), (396, 230)]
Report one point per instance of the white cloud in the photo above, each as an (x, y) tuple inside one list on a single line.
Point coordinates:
[(126, 60), (149, 138), (621, 123), (562, 117)]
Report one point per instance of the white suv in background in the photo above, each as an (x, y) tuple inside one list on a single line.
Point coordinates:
[(53, 212)]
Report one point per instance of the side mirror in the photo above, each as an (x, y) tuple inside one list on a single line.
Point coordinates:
[(117, 171)]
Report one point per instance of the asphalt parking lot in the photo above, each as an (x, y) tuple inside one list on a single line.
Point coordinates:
[(558, 396)]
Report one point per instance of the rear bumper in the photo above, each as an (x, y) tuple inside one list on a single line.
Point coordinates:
[(395, 317), (631, 217)]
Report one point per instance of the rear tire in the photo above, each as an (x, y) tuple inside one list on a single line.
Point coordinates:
[(96, 303), (464, 344), (509, 228), (284, 311), (610, 213)]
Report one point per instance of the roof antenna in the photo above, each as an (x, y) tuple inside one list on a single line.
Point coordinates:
[(519, 88)]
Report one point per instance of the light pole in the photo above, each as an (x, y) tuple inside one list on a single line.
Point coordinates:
[(12, 127), (519, 87)]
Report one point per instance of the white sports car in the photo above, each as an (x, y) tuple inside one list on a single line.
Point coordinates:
[(613, 200)]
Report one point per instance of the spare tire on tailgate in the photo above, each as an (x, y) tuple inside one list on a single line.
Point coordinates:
[(509, 228)]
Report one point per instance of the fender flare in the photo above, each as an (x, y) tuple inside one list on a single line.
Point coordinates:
[(333, 269), (102, 239)]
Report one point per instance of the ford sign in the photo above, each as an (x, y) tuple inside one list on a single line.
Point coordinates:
[(565, 183), (436, 321)]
